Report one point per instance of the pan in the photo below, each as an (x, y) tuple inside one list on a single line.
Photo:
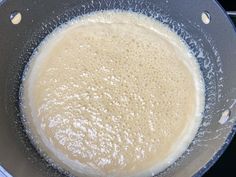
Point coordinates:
[(203, 25)]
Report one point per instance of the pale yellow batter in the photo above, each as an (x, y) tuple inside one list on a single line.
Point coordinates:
[(113, 94)]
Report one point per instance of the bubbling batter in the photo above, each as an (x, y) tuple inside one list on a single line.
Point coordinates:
[(112, 93)]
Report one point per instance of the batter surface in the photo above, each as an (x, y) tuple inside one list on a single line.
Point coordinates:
[(112, 94)]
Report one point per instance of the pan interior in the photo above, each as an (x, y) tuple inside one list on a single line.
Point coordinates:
[(146, 49)]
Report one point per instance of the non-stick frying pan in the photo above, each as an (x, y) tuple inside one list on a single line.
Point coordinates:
[(212, 40)]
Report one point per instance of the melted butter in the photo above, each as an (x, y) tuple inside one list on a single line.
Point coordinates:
[(113, 94)]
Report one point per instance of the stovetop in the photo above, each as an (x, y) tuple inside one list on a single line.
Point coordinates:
[(226, 166)]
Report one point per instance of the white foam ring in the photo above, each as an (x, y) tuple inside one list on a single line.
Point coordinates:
[(210, 62)]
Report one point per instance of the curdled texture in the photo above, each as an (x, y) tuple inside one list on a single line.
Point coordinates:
[(113, 93)]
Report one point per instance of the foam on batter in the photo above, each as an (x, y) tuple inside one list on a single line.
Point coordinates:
[(113, 94)]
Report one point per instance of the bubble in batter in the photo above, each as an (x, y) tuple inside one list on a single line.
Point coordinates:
[(113, 94)]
